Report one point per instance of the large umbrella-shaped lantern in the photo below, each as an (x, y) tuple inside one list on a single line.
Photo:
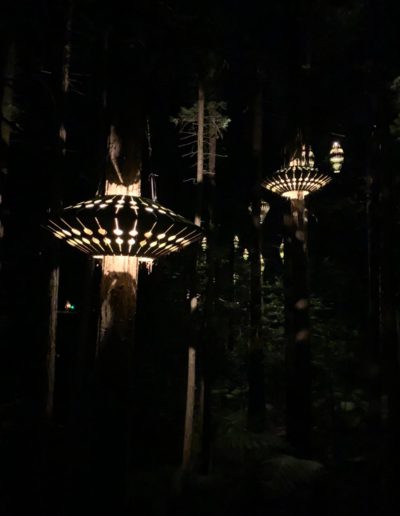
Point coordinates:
[(299, 179), (123, 225)]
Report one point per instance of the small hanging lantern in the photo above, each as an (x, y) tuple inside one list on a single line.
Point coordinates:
[(264, 209), (204, 244), (235, 278), (69, 307), (262, 263), (336, 157), (282, 251), (236, 242), (245, 255)]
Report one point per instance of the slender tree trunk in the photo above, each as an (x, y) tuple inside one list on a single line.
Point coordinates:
[(52, 339), (55, 268), (298, 360), (6, 121), (256, 399), (191, 375), (373, 308), (390, 339), (210, 295)]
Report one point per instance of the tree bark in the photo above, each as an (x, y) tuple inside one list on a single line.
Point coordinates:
[(256, 398), (210, 296), (52, 339), (56, 192), (298, 358), (192, 352)]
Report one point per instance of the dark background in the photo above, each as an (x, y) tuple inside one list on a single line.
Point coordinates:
[(326, 69)]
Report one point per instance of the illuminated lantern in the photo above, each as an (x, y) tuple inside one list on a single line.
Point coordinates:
[(282, 251), (204, 244), (299, 179), (69, 307), (123, 225), (245, 255), (235, 242), (336, 157), (264, 209)]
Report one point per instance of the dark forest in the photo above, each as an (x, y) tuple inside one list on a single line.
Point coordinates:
[(199, 257)]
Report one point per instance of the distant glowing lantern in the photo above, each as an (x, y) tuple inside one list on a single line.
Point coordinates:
[(336, 157), (204, 244), (69, 307), (235, 278), (264, 209), (282, 251), (300, 178), (245, 255), (262, 263), (236, 242), (123, 225)]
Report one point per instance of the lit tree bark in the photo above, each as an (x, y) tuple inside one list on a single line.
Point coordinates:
[(298, 361), (256, 398), (191, 375), (114, 354)]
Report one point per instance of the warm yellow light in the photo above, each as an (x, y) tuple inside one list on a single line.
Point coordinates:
[(282, 251), (336, 157)]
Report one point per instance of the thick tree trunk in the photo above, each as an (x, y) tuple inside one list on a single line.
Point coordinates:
[(298, 360), (256, 399), (191, 373)]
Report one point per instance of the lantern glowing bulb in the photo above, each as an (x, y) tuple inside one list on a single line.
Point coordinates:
[(245, 255), (236, 242), (204, 244)]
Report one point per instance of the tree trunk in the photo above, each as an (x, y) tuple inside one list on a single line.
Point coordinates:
[(210, 296), (52, 339), (373, 309), (390, 338), (191, 374), (6, 121), (256, 399), (298, 359), (56, 192)]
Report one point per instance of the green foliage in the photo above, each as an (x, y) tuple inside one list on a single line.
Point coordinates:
[(288, 475)]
